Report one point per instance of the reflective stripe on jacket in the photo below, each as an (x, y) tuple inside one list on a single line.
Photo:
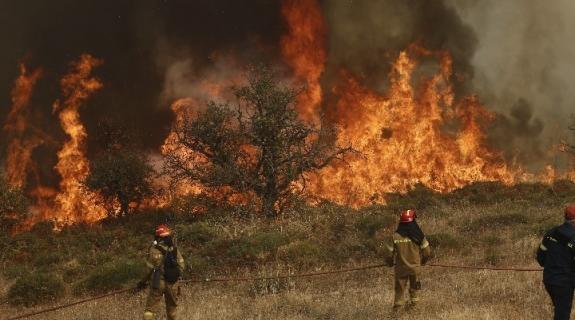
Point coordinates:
[(407, 255)]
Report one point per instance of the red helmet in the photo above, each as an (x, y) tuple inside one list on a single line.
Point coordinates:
[(570, 212), (407, 215), (163, 231)]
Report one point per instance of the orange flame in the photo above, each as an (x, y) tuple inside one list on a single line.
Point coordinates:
[(303, 48), (404, 139), (74, 202), (183, 109), (20, 142)]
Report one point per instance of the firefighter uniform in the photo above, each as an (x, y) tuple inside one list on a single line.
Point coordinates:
[(159, 287), (407, 257), (556, 255)]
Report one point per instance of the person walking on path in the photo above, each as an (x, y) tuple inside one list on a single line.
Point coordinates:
[(164, 266), (556, 254), (409, 250)]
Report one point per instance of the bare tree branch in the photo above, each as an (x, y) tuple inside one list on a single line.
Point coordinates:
[(259, 145)]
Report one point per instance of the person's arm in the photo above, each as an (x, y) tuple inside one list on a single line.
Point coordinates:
[(181, 261), (425, 251), (153, 260), (390, 254), (542, 250)]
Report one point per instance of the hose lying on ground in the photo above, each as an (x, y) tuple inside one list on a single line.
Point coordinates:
[(285, 276)]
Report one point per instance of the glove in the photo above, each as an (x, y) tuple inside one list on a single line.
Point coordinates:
[(141, 285)]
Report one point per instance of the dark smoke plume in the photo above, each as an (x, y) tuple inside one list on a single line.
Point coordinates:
[(156, 50), (366, 35), (135, 38)]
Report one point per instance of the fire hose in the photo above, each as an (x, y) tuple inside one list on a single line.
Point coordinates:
[(285, 276)]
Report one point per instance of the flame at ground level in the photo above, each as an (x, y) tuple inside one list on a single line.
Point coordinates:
[(414, 134)]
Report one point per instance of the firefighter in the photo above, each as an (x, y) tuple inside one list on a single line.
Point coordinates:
[(556, 255), (164, 266), (410, 249)]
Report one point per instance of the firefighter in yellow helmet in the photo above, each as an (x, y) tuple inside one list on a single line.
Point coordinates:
[(410, 249), (164, 266)]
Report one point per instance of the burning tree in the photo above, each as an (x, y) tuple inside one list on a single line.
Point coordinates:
[(120, 173), (122, 176), (258, 146)]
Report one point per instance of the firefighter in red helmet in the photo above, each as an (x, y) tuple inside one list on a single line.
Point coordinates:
[(164, 266), (409, 250), (556, 254)]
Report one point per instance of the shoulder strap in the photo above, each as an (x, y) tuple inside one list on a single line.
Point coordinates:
[(164, 251), (161, 249)]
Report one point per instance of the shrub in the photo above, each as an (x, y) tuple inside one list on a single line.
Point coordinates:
[(112, 276), (481, 193), (564, 188), (444, 241), (258, 246), (13, 205), (47, 258), (420, 197), (495, 221), (369, 225), (197, 233), (36, 288), (196, 265), (301, 253)]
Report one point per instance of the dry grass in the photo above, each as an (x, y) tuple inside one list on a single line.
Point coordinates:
[(446, 295), (500, 234)]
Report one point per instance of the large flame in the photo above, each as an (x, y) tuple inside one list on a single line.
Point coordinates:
[(21, 142), (183, 109), (418, 132), (74, 202), (303, 49), (409, 137)]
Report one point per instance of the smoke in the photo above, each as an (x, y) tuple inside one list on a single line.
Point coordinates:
[(516, 54), (138, 41), (525, 56), (365, 36)]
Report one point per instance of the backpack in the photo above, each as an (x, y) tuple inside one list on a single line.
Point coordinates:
[(172, 272)]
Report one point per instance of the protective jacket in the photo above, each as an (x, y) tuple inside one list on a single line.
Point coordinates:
[(155, 263), (159, 286), (556, 255), (407, 256)]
